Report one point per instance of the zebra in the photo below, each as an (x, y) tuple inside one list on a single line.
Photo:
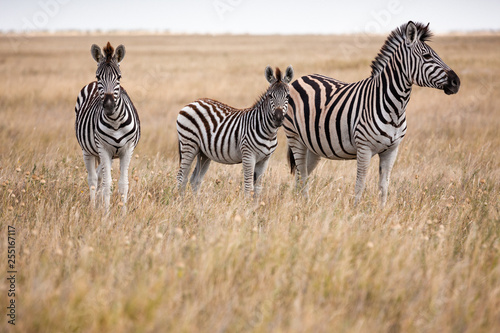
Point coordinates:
[(107, 125), (341, 121), (213, 131)]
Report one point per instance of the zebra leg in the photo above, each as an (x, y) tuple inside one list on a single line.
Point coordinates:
[(299, 151), (187, 155), (123, 182), (248, 160), (99, 182), (106, 182), (387, 159), (260, 168), (363, 157), (312, 162), (201, 168), (90, 161)]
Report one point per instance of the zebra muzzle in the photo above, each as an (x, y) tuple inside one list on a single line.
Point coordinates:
[(109, 103), (279, 116), (453, 83)]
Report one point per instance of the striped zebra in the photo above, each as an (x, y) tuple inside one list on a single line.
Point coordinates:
[(340, 121), (213, 131), (107, 125)]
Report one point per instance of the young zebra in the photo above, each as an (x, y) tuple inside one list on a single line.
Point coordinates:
[(107, 124), (213, 131), (336, 120)]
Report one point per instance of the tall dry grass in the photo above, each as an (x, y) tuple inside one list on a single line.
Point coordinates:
[(216, 262)]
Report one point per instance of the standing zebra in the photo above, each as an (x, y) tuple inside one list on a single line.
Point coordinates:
[(336, 120), (107, 124), (213, 131)]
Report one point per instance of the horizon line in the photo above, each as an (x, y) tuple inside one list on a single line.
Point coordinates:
[(179, 33)]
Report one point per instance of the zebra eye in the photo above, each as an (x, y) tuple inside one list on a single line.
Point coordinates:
[(427, 56)]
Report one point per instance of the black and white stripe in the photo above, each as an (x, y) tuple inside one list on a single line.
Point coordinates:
[(107, 124), (336, 120), (213, 131)]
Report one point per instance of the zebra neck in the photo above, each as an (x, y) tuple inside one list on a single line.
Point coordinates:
[(263, 121), (392, 90)]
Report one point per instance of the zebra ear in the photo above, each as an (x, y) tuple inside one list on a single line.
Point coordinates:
[(270, 75), (96, 53), (411, 33), (120, 53), (288, 75)]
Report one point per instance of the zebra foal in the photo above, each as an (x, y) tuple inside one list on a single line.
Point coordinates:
[(107, 125), (213, 131), (340, 121)]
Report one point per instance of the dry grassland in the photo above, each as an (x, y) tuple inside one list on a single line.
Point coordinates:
[(428, 262)]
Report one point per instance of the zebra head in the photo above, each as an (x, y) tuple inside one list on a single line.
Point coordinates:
[(108, 74), (426, 67), (278, 93)]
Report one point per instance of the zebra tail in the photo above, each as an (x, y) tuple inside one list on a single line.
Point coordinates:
[(291, 161), (180, 155)]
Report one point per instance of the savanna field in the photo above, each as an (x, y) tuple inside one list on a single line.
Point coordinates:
[(218, 262)]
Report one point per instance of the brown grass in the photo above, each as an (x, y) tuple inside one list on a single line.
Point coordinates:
[(428, 262)]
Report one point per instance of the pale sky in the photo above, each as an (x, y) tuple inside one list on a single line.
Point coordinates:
[(248, 16)]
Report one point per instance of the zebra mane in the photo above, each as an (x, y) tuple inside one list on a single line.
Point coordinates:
[(259, 100), (108, 52), (396, 37), (278, 75)]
